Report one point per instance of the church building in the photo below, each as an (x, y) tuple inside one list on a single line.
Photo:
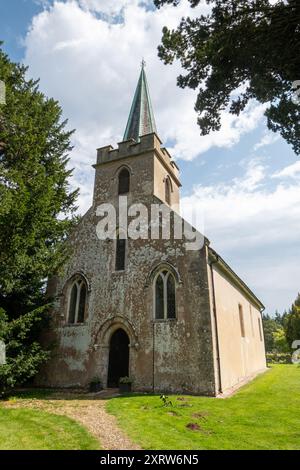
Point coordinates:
[(171, 318)]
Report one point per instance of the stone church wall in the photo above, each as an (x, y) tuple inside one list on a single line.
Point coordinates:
[(165, 355)]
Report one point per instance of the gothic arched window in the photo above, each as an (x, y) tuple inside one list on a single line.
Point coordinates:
[(168, 190), (164, 296), (77, 301), (124, 181)]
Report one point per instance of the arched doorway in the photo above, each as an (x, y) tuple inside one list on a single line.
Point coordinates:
[(118, 364)]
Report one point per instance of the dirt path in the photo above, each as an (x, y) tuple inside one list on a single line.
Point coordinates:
[(89, 411)]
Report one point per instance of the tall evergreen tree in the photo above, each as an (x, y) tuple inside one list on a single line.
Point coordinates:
[(36, 212), (249, 47)]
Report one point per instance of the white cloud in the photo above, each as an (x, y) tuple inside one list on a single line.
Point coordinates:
[(109, 7), (247, 211), (255, 227), (91, 66), (267, 139), (189, 144), (291, 171)]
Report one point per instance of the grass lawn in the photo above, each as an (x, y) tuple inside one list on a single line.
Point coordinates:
[(28, 429), (263, 415)]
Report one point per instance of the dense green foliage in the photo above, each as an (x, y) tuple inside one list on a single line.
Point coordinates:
[(36, 213), (278, 358), (242, 49), (275, 339), (292, 323), (23, 350), (26, 429), (263, 415), (281, 331)]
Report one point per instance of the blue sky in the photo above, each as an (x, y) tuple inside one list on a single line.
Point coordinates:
[(244, 179)]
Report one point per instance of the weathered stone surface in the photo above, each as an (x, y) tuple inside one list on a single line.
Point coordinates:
[(179, 355)]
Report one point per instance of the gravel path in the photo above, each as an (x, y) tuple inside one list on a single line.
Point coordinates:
[(89, 411)]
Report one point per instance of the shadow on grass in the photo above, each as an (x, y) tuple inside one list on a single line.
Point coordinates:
[(60, 394), (70, 395)]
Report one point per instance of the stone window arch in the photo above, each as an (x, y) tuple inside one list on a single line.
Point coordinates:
[(164, 295), (123, 181), (77, 300)]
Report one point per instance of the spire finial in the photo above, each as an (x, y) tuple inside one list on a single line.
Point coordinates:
[(141, 119)]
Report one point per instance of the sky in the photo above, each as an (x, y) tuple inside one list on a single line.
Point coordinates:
[(244, 179)]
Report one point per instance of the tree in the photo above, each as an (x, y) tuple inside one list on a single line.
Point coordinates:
[(23, 350), (270, 326), (274, 333), (292, 322), (280, 341), (242, 49), (279, 318), (36, 213)]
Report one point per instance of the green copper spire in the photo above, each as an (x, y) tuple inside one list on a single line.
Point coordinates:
[(141, 119)]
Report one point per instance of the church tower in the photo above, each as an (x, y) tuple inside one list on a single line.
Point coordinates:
[(140, 159)]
